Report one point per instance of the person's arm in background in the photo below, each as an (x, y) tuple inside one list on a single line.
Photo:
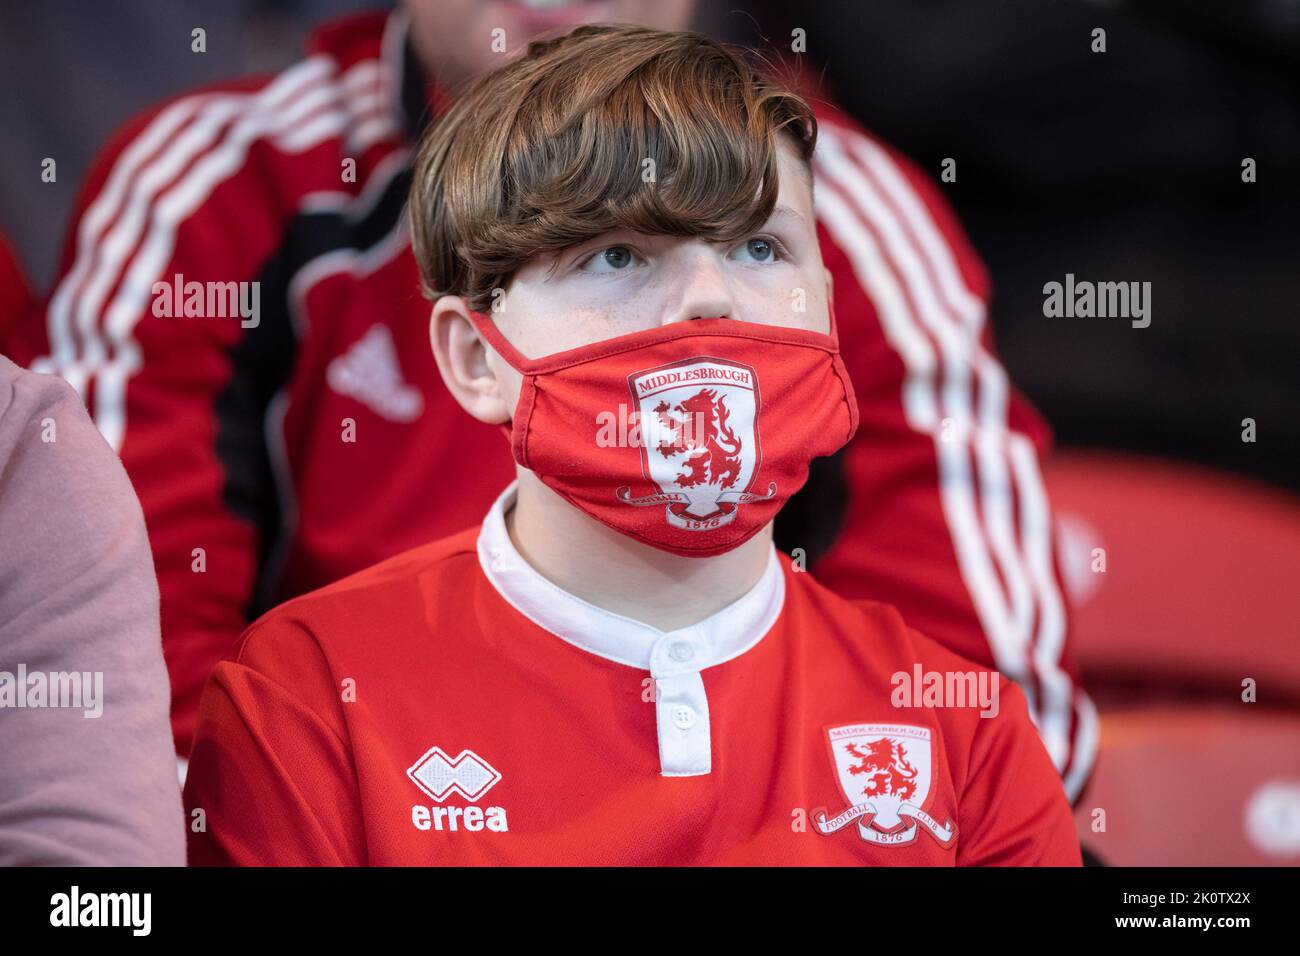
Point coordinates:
[(178, 398), (945, 514), (93, 780)]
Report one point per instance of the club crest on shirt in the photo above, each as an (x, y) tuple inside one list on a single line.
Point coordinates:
[(700, 447), (884, 772)]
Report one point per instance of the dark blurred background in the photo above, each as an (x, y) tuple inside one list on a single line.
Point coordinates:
[(1117, 166), (74, 71)]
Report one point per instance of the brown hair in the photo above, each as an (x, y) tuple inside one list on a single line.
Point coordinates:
[(550, 150)]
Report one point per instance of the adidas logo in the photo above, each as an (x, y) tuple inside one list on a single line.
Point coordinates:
[(369, 372)]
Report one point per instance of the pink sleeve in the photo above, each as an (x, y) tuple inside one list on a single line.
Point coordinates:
[(91, 781)]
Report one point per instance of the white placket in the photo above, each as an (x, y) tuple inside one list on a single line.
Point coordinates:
[(681, 706), (673, 658)]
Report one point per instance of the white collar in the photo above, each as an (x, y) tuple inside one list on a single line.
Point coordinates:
[(721, 636)]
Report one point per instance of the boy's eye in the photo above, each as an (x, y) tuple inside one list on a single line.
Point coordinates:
[(760, 249), (620, 258), (613, 259)]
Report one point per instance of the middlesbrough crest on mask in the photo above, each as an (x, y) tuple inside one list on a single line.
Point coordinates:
[(701, 445)]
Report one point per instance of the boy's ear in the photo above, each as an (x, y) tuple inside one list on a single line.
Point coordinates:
[(471, 371)]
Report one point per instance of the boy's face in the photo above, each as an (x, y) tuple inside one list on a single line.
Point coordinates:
[(624, 281)]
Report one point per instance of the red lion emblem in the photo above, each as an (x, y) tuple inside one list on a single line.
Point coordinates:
[(702, 432), (886, 761)]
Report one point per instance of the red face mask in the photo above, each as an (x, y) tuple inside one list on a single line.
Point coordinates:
[(688, 437)]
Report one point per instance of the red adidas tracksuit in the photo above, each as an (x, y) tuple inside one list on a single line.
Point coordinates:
[(237, 436), (452, 706)]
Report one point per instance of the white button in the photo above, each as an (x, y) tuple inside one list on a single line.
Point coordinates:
[(683, 717), (681, 651)]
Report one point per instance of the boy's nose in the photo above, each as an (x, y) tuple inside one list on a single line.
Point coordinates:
[(700, 291)]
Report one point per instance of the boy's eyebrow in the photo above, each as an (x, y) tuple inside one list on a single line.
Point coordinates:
[(788, 212)]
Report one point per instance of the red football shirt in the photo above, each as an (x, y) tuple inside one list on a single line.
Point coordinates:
[(452, 706)]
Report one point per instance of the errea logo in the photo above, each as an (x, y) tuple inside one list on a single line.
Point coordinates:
[(439, 775), (467, 774)]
